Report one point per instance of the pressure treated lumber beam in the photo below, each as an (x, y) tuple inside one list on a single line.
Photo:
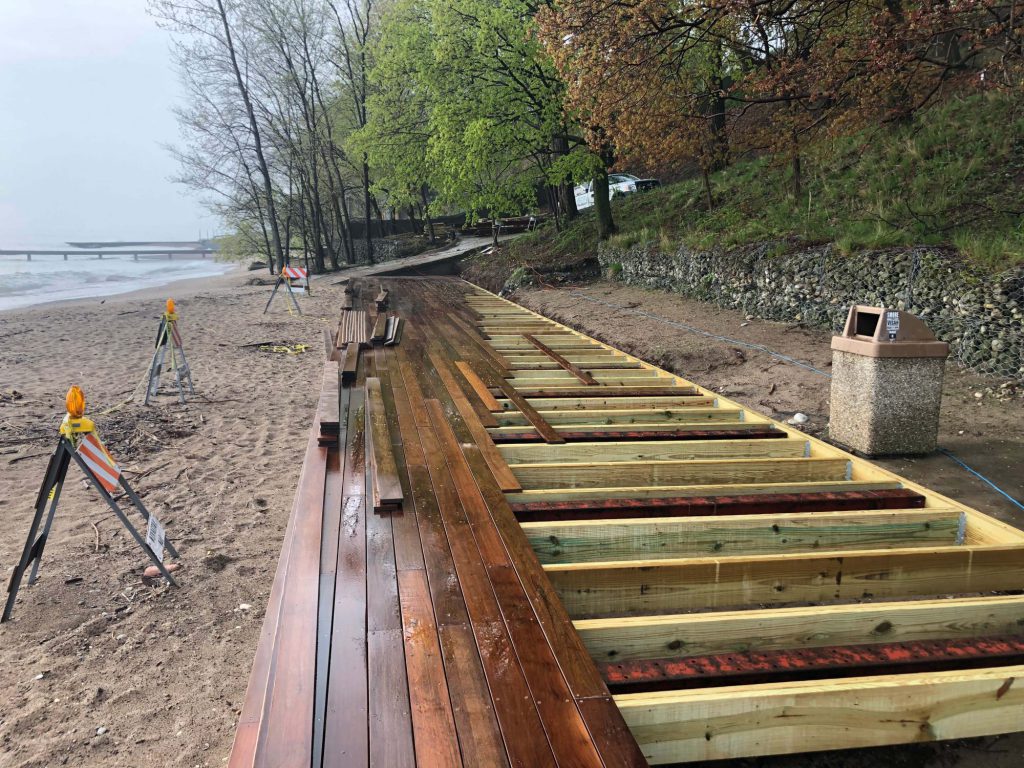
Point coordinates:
[(695, 634), (781, 718), (638, 450), (519, 436), (683, 491), (675, 537), (628, 416), (643, 473), (592, 590), (597, 403)]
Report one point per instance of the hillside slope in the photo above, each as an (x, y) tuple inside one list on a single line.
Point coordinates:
[(954, 177)]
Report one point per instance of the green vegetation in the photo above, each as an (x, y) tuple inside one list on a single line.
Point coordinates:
[(953, 176)]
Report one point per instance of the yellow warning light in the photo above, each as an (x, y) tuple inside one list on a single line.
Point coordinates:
[(75, 402), (170, 306)]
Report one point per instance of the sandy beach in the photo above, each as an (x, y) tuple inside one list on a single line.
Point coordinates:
[(99, 668)]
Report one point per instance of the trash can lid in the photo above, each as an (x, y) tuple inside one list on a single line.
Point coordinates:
[(881, 332)]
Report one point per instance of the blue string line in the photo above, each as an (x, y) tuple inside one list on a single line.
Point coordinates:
[(786, 358), (698, 331), (981, 477)]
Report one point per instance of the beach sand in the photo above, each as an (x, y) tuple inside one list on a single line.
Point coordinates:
[(92, 646)]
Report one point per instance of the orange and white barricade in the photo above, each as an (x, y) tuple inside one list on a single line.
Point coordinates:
[(293, 279), (79, 443)]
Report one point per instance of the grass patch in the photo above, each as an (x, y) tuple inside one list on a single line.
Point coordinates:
[(954, 176)]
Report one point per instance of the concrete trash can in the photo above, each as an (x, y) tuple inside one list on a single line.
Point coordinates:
[(887, 371)]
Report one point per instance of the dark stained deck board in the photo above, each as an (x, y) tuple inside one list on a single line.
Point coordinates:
[(608, 390), (536, 607), (390, 727), (346, 730), (287, 724), (437, 743), (486, 398), (566, 730), (479, 737), (523, 731), (387, 490), (495, 461), (572, 368)]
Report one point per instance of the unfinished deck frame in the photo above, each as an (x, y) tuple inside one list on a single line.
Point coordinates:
[(572, 532), (648, 589)]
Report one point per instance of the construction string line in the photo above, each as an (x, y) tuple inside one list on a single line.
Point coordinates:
[(698, 331), (784, 358)]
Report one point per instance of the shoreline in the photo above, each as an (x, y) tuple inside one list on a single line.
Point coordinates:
[(187, 286)]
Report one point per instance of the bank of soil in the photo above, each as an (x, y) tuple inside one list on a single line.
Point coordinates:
[(99, 667), (986, 432)]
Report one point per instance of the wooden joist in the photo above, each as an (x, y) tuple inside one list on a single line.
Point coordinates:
[(634, 417), (655, 390), (650, 432), (659, 586), (657, 451), (695, 634), (676, 537), (641, 494), (614, 402), (631, 474), (781, 718)]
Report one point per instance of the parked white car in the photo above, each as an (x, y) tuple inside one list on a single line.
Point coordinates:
[(618, 184)]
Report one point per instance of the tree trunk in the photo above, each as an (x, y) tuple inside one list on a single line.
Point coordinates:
[(350, 246), (567, 201), (426, 213), (797, 181), (268, 187), (605, 223), (368, 234), (706, 178)]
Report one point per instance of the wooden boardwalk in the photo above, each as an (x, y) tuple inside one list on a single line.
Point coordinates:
[(582, 560)]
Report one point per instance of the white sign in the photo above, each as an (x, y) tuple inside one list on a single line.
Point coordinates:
[(892, 322), (155, 537)]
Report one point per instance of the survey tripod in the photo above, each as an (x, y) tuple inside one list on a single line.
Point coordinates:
[(168, 338), (78, 443)]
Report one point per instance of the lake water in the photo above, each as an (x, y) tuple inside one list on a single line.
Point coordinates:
[(50, 278)]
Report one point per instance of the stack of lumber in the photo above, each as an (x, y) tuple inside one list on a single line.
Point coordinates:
[(352, 328), (580, 559)]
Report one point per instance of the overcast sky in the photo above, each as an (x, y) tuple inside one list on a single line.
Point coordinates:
[(86, 89)]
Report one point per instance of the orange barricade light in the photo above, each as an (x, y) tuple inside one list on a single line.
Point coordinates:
[(170, 306), (75, 422), (75, 402)]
